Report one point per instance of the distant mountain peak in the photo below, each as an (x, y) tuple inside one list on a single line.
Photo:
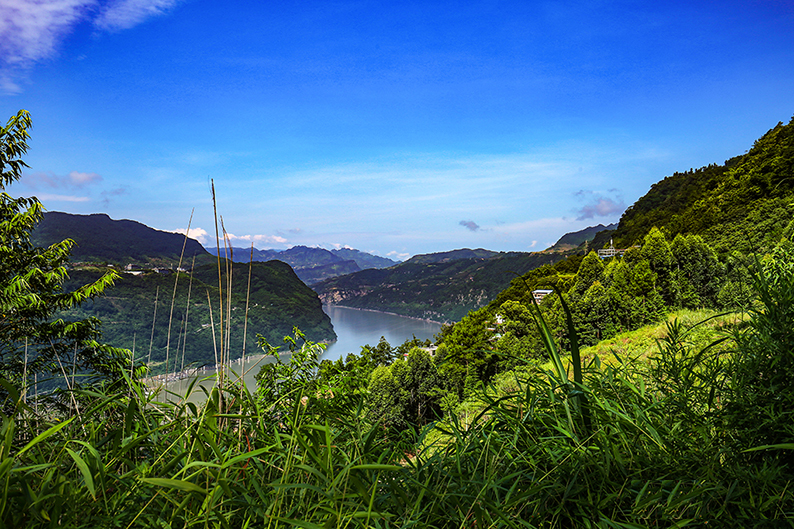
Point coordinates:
[(99, 238), (572, 240)]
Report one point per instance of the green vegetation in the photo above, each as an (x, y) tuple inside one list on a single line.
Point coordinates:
[(277, 302), (440, 287), (101, 240), (570, 241), (523, 416), (743, 205), (619, 445), (35, 347)]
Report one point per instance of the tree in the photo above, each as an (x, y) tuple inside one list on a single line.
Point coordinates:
[(656, 250), (35, 344), (590, 271)]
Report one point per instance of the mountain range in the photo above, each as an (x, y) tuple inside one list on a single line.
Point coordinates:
[(441, 286), (100, 239), (311, 264)]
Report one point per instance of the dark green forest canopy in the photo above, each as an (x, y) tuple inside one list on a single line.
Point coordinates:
[(744, 204)]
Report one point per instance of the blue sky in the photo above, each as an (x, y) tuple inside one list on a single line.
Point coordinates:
[(391, 127)]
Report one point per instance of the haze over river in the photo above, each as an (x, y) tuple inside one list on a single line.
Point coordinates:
[(354, 328)]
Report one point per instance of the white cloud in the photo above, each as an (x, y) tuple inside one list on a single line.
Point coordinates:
[(270, 239), (32, 30), (61, 198), (400, 256), (125, 14), (80, 179), (199, 234)]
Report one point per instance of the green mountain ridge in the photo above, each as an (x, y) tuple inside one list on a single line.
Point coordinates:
[(98, 238), (569, 241), (742, 205), (437, 287), (278, 301)]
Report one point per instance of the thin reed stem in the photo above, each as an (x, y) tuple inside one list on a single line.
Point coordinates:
[(247, 297), (154, 318), (173, 298), (187, 309), (220, 285)]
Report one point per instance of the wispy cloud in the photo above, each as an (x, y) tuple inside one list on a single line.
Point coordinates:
[(125, 14), (44, 197), (31, 31), (107, 195), (73, 180), (598, 205), (470, 225)]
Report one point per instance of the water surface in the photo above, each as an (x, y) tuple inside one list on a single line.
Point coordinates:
[(354, 328)]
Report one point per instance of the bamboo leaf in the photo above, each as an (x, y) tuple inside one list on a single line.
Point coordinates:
[(174, 484), (84, 470), (44, 435)]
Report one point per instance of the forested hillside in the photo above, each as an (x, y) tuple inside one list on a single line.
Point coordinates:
[(278, 302), (682, 419), (100, 239), (744, 204), (441, 287)]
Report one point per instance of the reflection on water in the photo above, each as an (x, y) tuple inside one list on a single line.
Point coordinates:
[(354, 329)]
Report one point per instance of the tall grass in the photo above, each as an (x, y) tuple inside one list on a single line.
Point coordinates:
[(671, 443)]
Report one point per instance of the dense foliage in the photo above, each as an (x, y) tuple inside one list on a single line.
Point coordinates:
[(622, 445), (36, 347), (743, 205)]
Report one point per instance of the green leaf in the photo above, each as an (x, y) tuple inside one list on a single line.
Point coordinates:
[(44, 435), (84, 470), (174, 484)]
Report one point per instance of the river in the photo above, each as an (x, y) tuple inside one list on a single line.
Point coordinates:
[(354, 328)]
